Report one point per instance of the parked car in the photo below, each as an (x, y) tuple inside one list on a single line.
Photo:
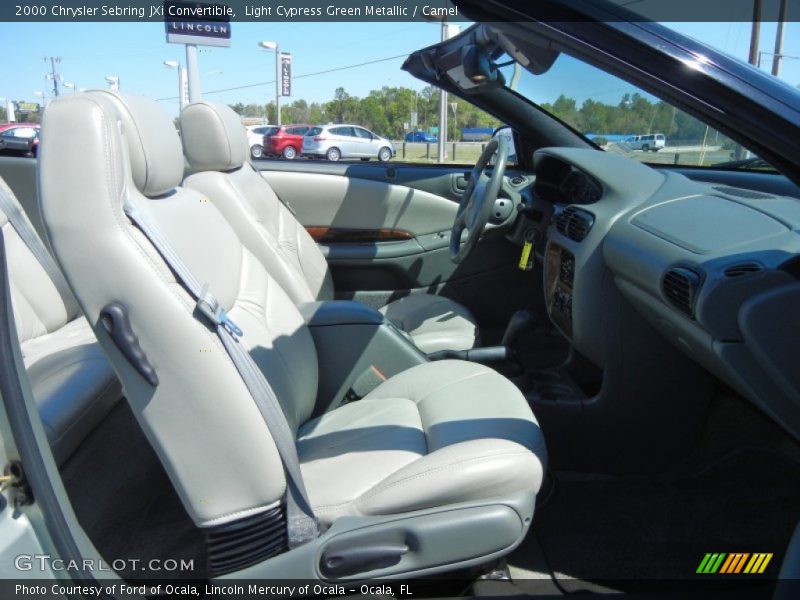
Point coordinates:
[(255, 138), (285, 140), (20, 138), (652, 141), (421, 136), (346, 141)]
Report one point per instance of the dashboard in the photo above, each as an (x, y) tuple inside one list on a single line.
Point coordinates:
[(714, 269)]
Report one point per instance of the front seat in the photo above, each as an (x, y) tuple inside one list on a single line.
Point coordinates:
[(215, 145), (439, 464)]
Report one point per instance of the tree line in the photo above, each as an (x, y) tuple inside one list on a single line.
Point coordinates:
[(632, 115), (386, 110)]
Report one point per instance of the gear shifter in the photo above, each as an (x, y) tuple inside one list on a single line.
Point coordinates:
[(520, 322)]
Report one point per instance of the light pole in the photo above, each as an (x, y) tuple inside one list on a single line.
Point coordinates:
[(70, 86), (193, 73), (53, 74), (174, 64), (273, 46), (454, 107), (113, 82), (448, 31)]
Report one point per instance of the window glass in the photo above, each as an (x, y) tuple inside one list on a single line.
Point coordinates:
[(619, 117), (346, 131), (314, 131), (362, 133)]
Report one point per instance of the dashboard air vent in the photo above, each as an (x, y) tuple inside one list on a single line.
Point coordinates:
[(742, 269), (574, 223), (741, 193), (680, 287)]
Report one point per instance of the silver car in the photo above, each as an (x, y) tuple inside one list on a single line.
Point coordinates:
[(346, 141)]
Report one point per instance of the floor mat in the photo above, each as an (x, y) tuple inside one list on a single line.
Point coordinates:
[(626, 530), (738, 490)]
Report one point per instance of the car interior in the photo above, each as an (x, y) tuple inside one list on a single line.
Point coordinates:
[(557, 370)]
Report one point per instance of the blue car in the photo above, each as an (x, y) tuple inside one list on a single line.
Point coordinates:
[(421, 136)]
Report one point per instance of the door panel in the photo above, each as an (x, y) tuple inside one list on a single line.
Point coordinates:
[(322, 200), (385, 230)]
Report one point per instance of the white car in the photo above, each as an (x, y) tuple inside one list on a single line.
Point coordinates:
[(650, 141), (255, 139), (346, 141)]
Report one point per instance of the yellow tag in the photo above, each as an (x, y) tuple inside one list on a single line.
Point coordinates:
[(526, 253)]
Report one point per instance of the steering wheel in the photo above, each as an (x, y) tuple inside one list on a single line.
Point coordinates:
[(478, 199)]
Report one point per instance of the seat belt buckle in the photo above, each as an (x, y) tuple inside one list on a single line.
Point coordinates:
[(364, 384), (208, 305)]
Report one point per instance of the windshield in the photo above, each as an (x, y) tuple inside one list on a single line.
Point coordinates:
[(619, 117)]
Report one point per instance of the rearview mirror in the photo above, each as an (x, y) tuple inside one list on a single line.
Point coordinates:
[(479, 68)]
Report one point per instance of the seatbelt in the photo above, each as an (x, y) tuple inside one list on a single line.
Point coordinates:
[(19, 221), (301, 524)]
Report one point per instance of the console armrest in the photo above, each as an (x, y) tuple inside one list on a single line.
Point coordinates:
[(352, 339), (339, 312)]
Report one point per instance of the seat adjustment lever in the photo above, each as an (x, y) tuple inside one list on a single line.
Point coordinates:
[(361, 558), (114, 318)]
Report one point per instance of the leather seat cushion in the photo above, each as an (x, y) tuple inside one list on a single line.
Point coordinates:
[(73, 384), (434, 322), (439, 433)]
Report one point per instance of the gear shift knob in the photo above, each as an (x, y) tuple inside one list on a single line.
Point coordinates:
[(520, 321)]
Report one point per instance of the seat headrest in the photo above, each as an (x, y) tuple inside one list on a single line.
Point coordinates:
[(154, 146), (213, 137)]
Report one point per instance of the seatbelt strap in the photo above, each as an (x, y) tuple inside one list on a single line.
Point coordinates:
[(301, 524), (19, 221)]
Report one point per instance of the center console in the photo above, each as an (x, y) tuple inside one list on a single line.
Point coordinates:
[(357, 347), (559, 275)]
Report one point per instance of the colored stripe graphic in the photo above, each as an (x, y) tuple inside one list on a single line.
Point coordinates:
[(727, 564), (740, 562), (735, 562)]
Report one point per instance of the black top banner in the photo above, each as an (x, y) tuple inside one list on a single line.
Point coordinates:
[(393, 10)]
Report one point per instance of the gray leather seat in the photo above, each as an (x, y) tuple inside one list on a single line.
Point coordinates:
[(444, 442), (215, 144), (72, 382)]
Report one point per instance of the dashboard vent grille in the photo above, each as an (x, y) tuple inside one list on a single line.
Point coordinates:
[(680, 287), (743, 269), (574, 223), (739, 192)]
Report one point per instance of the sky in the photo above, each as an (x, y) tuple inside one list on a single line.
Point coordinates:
[(134, 52)]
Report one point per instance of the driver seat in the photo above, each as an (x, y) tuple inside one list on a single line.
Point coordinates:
[(215, 145)]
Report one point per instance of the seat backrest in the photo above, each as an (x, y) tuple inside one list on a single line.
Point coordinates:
[(103, 149), (38, 306), (215, 145)]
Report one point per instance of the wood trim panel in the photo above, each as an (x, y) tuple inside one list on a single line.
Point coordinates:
[(343, 235)]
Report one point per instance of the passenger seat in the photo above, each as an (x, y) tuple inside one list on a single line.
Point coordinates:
[(215, 145), (72, 382)]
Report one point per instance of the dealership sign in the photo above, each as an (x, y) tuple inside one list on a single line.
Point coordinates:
[(27, 107), (286, 74), (197, 23)]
